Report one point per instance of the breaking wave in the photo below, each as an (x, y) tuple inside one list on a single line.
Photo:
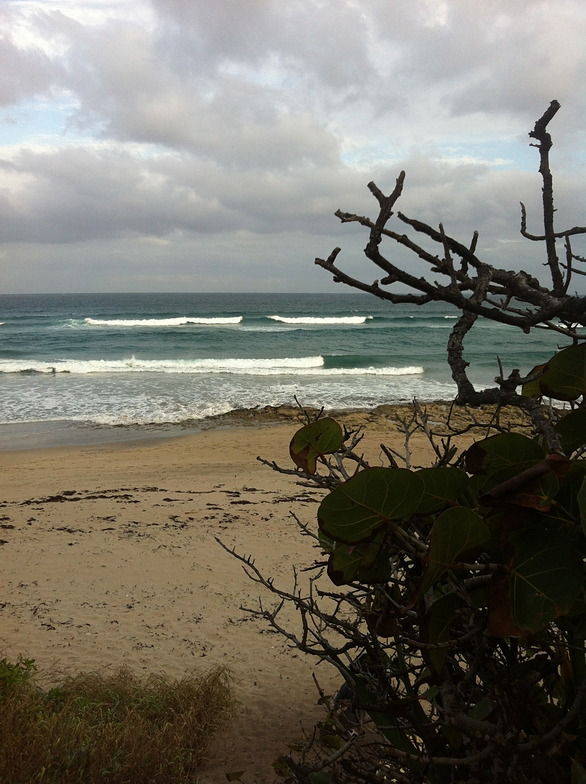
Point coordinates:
[(259, 367), (321, 319), (169, 322)]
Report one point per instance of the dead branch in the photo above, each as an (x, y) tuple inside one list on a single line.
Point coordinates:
[(477, 288)]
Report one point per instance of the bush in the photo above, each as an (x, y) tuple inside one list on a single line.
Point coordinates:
[(457, 617)]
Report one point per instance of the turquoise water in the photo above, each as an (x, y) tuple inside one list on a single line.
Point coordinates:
[(171, 358)]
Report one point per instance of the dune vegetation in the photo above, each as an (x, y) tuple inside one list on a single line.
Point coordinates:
[(107, 726)]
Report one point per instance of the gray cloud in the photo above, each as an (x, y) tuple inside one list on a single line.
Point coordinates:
[(26, 72), (189, 130)]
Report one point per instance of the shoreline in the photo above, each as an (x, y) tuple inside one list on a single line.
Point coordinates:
[(42, 434), (45, 434)]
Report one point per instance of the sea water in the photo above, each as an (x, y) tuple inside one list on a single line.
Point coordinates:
[(136, 359)]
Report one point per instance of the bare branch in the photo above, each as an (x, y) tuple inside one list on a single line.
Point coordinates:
[(544, 145)]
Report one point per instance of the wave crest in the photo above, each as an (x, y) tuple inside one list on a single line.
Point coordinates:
[(288, 366), (326, 320), (179, 321)]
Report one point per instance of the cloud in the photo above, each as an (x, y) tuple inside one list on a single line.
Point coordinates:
[(26, 72), (80, 193), (287, 44), (180, 128)]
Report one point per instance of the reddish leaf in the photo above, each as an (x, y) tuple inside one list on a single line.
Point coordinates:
[(534, 488), (500, 623)]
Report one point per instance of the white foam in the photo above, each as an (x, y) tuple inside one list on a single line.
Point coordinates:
[(127, 398), (321, 320), (299, 366), (134, 365), (169, 322)]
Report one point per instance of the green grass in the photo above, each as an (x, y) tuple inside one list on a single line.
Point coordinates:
[(113, 728)]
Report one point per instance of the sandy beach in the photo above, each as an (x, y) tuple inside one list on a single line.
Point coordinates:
[(109, 558)]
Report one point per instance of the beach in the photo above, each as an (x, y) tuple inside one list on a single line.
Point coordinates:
[(110, 558)]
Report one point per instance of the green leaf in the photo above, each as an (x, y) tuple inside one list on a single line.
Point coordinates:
[(504, 450), (482, 709), (572, 430), (367, 562), (315, 440), (565, 376), (453, 737), (357, 509), (578, 773), (391, 729), (320, 778), (568, 499), (534, 487), (438, 620), (532, 388), (454, 532), (545, 577), (442, 487)]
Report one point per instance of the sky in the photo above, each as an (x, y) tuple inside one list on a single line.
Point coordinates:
[(204, 145)]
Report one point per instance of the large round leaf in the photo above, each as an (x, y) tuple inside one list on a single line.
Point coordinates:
[(315, 440), (534, 487), (454, 532), (572, 494), (532, 388), (546, 576), (357, 509), (565, 376), (503, 451), (543, 578), (367, 562), (442, 487), (438, 620), (572, 430)]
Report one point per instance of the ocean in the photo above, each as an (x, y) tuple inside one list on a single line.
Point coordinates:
[(91, 360)]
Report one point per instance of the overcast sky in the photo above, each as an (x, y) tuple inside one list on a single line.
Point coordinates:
[(204, 145)]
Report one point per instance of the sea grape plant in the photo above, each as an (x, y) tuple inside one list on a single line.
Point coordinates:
[(458, 617), (451, 598)]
